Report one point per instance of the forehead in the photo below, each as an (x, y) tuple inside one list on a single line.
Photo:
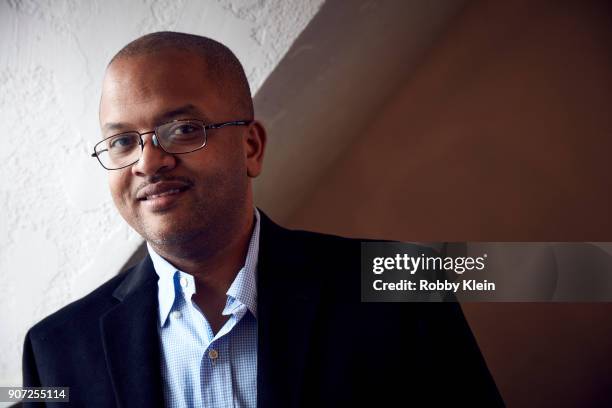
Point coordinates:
[(138, 88)]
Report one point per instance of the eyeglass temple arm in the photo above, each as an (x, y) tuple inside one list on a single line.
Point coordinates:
[(233, 123), (94, 154)]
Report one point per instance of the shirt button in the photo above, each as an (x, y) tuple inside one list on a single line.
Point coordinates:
[(184, 282), (177, 314), (213, 354)]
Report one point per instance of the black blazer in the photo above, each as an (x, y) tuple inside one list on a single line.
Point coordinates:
[(318, 344)]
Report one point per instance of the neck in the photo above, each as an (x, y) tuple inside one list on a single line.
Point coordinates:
[(214, 270)]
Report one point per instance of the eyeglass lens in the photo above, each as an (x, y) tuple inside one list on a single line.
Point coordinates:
[(174, 137)]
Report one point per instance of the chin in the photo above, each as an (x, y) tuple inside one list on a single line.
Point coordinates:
[(166, 237)]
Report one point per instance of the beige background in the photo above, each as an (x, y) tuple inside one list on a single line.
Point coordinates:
[(501, 132)]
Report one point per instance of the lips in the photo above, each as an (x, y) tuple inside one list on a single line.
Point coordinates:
[(153, 192), (162, 196), (165, 193)]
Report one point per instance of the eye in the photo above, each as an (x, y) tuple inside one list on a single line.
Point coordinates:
[(185, 133), (184, 129), (122, 142)]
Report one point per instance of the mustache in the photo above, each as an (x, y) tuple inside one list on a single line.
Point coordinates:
[(159, 178)]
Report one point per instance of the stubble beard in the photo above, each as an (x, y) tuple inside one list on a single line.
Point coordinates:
[(212, 223)]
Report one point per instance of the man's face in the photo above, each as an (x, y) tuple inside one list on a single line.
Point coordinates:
[(206, 192)]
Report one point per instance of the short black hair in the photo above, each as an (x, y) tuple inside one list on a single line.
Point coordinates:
[(222, 65)]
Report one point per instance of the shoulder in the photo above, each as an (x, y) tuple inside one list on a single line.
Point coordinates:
[(76, 315), (300, 246), (326, 243)]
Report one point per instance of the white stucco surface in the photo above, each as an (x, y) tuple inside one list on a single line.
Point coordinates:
[(60, 235)]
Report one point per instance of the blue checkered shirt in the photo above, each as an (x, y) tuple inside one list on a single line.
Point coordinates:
[(199, 368)]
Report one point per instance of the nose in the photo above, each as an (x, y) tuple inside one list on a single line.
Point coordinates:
[(153, 160)]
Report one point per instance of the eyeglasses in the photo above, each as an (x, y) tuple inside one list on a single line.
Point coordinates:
[(176, 137)]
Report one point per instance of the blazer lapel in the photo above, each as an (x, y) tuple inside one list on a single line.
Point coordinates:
[(130, 340), (287, 307)]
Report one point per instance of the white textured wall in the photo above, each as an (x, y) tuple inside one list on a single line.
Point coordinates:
[(60, 235)]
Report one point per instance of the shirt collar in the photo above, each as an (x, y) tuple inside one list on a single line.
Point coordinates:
[(242, 291), (165, 284)]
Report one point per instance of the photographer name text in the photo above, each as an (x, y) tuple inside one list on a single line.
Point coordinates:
[(469, 285)]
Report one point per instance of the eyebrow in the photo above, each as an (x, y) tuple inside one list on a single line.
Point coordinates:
[(188, 109)]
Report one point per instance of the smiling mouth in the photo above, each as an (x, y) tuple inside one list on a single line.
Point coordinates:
[(164, 201), (165, 193)]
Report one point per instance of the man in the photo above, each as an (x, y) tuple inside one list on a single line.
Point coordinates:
[(228, 308)]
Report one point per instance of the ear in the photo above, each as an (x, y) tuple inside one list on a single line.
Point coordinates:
[(254, 146)]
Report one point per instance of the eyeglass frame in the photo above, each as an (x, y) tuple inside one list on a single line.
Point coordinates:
[(156, 142)]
